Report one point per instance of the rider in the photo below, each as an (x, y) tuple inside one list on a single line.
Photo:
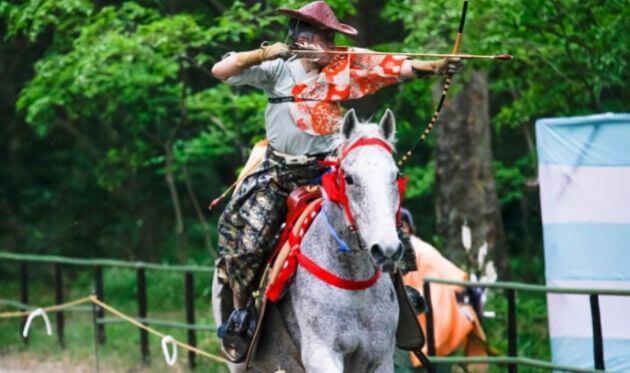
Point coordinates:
[(300, 119)]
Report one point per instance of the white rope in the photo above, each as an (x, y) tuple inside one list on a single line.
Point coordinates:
[(33, 314), (172, 357)]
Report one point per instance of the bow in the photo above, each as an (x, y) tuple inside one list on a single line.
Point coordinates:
[(445, 88)]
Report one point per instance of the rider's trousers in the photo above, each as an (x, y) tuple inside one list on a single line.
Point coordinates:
[(253, 217)]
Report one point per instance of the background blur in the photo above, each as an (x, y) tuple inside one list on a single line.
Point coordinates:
[(114, 139)]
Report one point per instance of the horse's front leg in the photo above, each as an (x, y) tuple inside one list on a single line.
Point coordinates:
[(318, 356), (386, 365)]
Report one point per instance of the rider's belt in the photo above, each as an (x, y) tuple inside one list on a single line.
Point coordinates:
[(297, 159), (279, 100)]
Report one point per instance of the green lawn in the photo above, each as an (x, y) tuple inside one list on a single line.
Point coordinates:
[(121, 352)]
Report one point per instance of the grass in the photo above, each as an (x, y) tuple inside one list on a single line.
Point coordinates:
[(165, 295), (532, 327), (121, 351)]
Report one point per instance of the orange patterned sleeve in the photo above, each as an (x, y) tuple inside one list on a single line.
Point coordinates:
[(347, 77)]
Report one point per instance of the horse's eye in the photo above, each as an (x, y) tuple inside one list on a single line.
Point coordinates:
[(349, 179)]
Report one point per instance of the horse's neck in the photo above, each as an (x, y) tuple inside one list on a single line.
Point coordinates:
[(324, 249)]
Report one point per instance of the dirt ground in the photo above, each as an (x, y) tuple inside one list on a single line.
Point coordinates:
[(22, 363)]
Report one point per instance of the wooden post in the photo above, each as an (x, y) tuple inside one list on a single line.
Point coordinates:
[(95, 317), (189, 284), (59, 300), (511, 328), (142, 313), (429, 316), (426, 289), (100, 294), (23, 294), (598, 343)]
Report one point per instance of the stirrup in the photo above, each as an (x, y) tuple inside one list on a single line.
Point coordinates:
[(237, 333), (416, 299)]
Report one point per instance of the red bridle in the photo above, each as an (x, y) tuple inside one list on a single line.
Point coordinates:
[(334, 181)]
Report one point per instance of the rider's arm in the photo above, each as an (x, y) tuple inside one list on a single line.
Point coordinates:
[(421, 69), (235, 63)]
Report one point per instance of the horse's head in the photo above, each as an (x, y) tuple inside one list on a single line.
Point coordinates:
[(368, 185)]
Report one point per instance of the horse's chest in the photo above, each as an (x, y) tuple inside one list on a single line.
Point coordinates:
[(351, 322)]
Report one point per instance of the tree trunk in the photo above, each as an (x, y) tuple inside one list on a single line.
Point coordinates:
[(169, 177), (198, 211), (465, 188)]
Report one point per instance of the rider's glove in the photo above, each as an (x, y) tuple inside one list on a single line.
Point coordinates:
[(264, 53), (449, 65)]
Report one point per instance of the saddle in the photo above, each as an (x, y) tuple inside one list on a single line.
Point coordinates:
[(303, 206)]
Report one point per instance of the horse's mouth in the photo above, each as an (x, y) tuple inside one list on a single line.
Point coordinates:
[(386, 265), (389, 266)]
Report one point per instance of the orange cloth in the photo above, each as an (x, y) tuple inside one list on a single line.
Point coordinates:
[(453, 323), (346, 77), (255, 159)]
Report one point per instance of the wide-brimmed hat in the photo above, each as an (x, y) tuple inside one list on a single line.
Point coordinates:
[(319, 14)]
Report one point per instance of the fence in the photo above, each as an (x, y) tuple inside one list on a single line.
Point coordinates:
[(97, 265), (513, 360)]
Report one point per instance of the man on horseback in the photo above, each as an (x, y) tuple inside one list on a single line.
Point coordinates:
[(301, 118)]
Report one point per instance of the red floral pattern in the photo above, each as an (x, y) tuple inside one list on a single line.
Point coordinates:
[(316, 109)]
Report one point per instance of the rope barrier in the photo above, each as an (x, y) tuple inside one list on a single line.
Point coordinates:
[(33, 314), (166, 339), (158, 322), (170, 358), (50, 309), (155, 332)]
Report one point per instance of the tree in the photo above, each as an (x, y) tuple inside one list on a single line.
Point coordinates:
[(465, 188)]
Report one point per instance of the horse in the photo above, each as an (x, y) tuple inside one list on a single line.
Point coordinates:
[(317, 327)]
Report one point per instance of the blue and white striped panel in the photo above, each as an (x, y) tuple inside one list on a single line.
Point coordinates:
[(584, 173)]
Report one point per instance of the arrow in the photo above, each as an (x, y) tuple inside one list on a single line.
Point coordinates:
[(498, 57)]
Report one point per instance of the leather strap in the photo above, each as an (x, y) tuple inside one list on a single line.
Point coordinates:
[(280, 100), (331, 278)]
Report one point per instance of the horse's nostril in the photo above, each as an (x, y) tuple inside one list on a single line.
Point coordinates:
[(377, 253)]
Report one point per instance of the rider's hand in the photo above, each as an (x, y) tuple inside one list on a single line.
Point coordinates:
[(275, 50), (447, 66), (264, 53)]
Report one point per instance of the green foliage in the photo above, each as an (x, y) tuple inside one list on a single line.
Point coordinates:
[(114, 101), (532, 329), (33, 17), (106, 128), (421, 179), (511, 180)]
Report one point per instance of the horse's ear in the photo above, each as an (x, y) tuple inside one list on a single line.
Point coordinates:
[(388, 125), (349, 124)]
